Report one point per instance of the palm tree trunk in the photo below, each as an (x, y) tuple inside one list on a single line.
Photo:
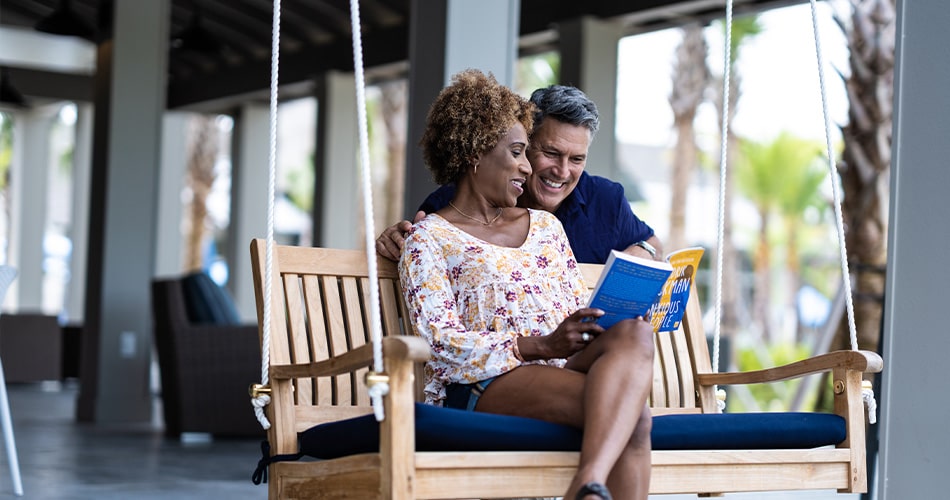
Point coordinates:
[(202, 152), (394, 115), (865, 165), (690, 78), (731, 279)]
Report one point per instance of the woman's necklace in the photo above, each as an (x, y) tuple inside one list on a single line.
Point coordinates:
[(463, 214)]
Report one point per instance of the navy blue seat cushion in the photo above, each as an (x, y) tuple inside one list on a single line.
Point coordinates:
[(208, 303), (446, 429)]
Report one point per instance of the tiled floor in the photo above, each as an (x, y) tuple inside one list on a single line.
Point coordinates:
[(62, 459)]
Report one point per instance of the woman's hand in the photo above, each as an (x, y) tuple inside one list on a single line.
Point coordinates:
[(572, 335)]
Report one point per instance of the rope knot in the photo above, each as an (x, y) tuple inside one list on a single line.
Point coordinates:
[(867, 395), (259, 403), (377, 385)]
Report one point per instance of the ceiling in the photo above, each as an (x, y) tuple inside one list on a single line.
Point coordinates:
[(230, 54)]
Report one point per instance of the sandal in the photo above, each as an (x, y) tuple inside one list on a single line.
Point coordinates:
[(593, 488)]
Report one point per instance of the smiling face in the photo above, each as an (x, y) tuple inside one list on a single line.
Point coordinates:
[(503, 170), (558, 155)]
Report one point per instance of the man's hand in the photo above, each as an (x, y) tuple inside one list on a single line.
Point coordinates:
[(390, 242)]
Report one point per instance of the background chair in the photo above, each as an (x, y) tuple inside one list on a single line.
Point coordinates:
[(7, 275), (207, 358)]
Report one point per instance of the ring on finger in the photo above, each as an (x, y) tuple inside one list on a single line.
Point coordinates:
[(585, 337)]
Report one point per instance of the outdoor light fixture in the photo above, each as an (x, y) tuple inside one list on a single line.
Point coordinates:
[(64, 21)]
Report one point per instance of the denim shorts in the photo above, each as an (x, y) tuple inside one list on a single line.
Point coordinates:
[(465, 396)]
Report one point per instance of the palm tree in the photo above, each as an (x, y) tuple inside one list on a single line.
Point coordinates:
[(780, 177), (202, 152), (754, 175), (393, 109), (865, 165), (690, 79), (801, 193), (743, 29)]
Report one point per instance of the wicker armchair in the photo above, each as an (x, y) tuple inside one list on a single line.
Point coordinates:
[(206, 368)]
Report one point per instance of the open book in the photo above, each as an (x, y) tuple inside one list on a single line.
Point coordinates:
[(632, 286)]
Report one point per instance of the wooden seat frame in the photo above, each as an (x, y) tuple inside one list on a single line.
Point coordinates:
[(319, 352)]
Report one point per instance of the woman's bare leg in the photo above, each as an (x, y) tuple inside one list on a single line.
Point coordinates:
[(632, 472), (604, 391)]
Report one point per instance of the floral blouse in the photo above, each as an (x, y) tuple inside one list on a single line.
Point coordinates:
[(471, 299)]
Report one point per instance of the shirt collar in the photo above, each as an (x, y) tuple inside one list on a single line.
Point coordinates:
[(577, 200)]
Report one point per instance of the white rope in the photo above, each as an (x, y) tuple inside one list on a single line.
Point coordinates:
[(263, 400), (867, 393), (377, 389), (833, 172), (723, 166)]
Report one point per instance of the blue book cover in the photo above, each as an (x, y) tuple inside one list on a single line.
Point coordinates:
[(632, 286), (628, 287)]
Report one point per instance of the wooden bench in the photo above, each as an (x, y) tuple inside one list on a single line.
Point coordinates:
[(319, 353)]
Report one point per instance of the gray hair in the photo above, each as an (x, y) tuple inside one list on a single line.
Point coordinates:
[(566, 104)]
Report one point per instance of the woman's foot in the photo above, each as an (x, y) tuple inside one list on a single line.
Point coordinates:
[(593, 488)]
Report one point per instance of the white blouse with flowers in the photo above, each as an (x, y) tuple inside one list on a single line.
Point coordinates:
[(471, 299)]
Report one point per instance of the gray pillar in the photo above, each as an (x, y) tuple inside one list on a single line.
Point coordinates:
[(341, 216), (130, 99), (249, 177), (79, 224), (28, 192), (169, 250), (445, 37), (914, 407), (589, 62)]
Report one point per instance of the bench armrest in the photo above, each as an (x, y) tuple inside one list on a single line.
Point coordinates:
[(862, 361), (400, 347)]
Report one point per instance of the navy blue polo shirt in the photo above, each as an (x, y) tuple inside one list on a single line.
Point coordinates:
[(596, 217)]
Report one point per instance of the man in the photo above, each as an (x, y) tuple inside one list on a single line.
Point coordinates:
[(593, 210)]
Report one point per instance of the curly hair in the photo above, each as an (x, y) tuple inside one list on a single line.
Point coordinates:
[(467, 119)]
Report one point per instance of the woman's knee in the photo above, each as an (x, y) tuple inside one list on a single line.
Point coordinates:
[(631, 335)]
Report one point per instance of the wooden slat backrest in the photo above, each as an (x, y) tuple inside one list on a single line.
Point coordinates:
[(319, 309)]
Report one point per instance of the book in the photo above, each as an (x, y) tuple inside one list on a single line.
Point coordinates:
[(667, 313), (631, 286)]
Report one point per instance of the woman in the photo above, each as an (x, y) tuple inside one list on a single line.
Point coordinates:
[(497, 293)]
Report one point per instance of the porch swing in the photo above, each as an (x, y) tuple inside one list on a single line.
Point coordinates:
[(339, 359)]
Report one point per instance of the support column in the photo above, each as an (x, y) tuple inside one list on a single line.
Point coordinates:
[(340, 216), (248, 201), (130, 99), (589, 62), (169, 250), (445, 37), (79, 225), (913, 424), (29, 180)]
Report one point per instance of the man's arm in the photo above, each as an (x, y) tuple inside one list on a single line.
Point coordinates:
[(633, 230), (389, 244), (639, 251)]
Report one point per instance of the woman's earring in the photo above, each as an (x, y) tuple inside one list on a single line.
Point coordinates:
[(475, 170)]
